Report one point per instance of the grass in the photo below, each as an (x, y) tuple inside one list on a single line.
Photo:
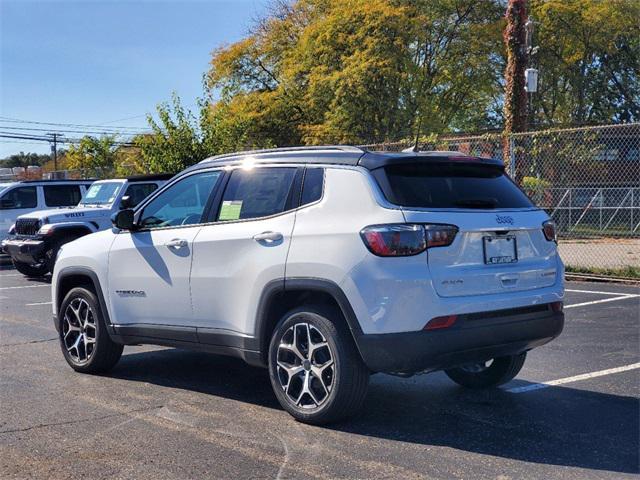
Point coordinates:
[(624, 272)]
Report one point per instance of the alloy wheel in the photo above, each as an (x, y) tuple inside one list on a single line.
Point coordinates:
[(476, 367), (305, 366), (79, 330)]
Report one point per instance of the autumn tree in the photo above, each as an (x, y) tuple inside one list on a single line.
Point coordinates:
[(589, 61), (357, 71)]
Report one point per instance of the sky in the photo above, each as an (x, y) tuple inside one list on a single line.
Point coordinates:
[(97, 62)]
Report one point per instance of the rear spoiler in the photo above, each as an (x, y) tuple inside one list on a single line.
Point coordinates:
[(374, 160)]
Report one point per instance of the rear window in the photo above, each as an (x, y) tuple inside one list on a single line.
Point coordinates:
[(139, 191), (450, 185), (256, 193), (61, 195)]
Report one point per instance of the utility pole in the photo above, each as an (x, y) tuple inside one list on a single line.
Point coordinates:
[(515, 96), (54, 148)]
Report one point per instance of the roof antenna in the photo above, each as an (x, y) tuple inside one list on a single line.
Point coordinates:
[(415, 148)]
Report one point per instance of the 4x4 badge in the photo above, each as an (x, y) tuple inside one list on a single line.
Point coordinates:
[(504, 219)]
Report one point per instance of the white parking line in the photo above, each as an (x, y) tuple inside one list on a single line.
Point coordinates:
[(11, 275), (37, 303), (24, 286), (604, 300), (577, 378), (598, 292)]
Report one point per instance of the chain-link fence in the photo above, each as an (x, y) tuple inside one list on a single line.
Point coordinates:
[(587, 179)]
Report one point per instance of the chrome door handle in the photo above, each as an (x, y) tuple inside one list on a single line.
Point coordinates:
[(268, 237), (177, 243)]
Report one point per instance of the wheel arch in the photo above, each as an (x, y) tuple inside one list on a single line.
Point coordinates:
[(71, 277), (280, 296), (76, 229)]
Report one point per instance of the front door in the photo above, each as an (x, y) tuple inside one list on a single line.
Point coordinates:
[(149, 268)]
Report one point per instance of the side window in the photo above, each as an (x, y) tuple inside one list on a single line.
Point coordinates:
[(21, 197), (183, 203), (256, 193), (312, 186), (139, 191), (61, 195)]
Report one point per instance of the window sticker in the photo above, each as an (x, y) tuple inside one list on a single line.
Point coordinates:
[(230, 210), (93, 191)]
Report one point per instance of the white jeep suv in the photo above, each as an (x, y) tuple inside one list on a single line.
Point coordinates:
[(324, 264)]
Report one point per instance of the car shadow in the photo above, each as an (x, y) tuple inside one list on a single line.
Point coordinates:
[(555, 426)]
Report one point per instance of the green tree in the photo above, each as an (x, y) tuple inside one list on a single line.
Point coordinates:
[(95, 156), (178, 139), (23, 159), (589, 61), (358, 71)]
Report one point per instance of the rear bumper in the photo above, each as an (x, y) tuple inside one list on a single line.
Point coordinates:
[(473, 338), (26, 251)]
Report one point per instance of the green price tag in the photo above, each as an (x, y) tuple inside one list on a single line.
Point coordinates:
[(230, 210)]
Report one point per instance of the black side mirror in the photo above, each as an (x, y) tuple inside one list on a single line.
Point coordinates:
[(123, 219), (125, 202)]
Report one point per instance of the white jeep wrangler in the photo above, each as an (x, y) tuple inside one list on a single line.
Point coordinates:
[(36, 237)]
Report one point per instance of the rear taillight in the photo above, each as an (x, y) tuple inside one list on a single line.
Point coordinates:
[(394, 240), (401, 240), (440, 235), (549, 230)]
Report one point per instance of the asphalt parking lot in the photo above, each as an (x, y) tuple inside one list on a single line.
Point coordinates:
[(573, 412)]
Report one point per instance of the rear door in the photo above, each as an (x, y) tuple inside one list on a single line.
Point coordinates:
[(500, 245), (245, 249)]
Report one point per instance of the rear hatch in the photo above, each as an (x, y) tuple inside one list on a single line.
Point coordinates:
[(500, 245)]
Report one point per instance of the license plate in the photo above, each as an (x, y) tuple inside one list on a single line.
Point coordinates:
[(498, 250)]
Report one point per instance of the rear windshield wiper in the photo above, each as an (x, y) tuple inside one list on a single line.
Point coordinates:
[(477, 203)]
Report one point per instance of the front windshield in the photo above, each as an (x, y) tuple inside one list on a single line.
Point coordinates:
[(4, 186), (101, 193)]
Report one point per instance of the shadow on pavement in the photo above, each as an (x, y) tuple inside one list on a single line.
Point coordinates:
[(554, 426)]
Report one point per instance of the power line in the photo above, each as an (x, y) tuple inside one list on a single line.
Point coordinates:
[(89, 132), (123, 119), (45, 138), (73, 125)]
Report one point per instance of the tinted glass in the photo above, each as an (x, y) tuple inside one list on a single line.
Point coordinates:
[(61, 195), (102, 193), (183, 203), (256, 193), (450, 185), (312, 187), (21, 197), (139, 191)]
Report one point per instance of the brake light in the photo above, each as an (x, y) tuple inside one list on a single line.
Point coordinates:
[(440, 235), (549, 230), (441, 322), (399, 240)]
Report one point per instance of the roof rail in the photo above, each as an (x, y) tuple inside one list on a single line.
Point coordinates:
[(150, 176), (57, 180), (339, 148)]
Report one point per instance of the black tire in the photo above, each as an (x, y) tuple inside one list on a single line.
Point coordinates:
[(51, 254), (30, 270), (105, 353), (500, 371), (347, 380)]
